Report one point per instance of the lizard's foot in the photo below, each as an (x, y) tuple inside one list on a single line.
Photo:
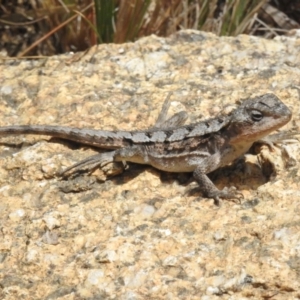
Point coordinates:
[(211, 191), (227, 193), (282, 137)]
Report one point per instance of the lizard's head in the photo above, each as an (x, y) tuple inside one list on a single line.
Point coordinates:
[(256, 118)]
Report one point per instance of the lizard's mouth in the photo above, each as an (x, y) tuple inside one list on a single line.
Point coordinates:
[(253, 132)]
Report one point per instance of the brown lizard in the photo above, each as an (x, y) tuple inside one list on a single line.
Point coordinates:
[(171, 146)]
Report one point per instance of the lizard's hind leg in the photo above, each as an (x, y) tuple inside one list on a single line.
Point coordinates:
[(91, 163), (176, 120)]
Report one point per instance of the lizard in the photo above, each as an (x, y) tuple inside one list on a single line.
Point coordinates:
[(171, 146)]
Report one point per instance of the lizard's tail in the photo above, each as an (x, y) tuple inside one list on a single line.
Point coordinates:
[(97, 138)]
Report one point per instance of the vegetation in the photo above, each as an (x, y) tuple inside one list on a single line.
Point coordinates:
[(33, 27)]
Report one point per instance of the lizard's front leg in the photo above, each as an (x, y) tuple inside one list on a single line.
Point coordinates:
[(210, 190)]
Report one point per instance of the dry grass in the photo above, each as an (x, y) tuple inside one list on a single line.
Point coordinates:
[(57, 26)]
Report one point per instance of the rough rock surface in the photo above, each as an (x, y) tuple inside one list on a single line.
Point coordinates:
[(146, 234)]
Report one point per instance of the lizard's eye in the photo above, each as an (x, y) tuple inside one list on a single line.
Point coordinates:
[(256, 115)]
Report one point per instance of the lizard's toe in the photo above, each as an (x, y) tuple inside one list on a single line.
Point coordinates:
[(227, 193)]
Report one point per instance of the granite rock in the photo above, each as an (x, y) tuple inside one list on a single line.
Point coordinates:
[(143, 234)]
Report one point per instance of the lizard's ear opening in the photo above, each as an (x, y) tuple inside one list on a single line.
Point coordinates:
[(256, 115)]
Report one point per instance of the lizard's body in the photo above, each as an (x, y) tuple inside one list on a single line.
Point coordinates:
[(199, 148)]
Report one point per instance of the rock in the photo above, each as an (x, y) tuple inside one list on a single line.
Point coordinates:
[(144, 234)]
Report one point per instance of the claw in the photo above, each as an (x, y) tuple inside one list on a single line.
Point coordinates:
[(227, 193)]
